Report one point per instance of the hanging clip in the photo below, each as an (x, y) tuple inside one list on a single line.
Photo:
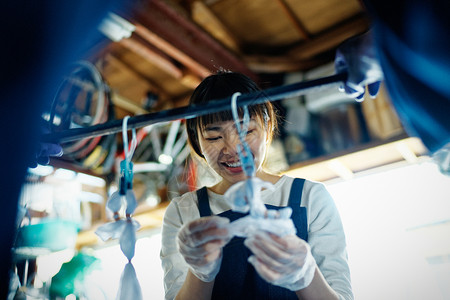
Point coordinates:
[(245, 199), (126, 166), (245, 155), (125, 192), (245, 196), (126, 170)]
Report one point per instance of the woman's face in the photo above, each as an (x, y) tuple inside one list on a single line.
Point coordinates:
[(218, 143)]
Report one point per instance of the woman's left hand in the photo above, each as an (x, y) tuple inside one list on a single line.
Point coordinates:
[(283, 261)]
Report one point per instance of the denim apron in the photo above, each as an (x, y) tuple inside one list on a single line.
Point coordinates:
[(238, 279)]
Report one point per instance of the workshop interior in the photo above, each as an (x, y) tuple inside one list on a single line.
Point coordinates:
[(125, 103)]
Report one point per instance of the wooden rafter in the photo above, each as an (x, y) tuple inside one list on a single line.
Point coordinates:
[(203, 16), (304, 56), (298, 25), (152, 56), (187, 37)]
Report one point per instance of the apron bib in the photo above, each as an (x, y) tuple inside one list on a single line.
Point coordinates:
[(237, 278)]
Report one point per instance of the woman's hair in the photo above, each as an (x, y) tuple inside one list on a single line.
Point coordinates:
[(220, 86)]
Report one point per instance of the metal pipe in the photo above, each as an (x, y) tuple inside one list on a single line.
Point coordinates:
[(192, 111)]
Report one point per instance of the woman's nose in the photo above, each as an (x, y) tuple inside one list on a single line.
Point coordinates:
[(230, 144)]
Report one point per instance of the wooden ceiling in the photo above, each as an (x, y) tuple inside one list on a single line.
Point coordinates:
[(177, 43)]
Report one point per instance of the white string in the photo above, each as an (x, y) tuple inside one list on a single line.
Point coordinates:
[(133, 143), (234, 107), (128, 152), (246, 160), (242, 130)]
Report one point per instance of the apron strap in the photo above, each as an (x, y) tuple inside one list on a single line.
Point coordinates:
[(295, 197), (203, 202), (298, 212)]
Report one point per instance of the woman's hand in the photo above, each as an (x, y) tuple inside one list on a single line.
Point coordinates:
[(201, 242), (283, 261)]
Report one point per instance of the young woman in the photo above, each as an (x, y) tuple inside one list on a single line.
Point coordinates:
[(199, 257)]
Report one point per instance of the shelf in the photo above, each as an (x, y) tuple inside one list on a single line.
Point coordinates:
[(345, 164)]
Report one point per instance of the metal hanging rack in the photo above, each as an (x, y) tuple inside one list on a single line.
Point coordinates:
[(192, 111)]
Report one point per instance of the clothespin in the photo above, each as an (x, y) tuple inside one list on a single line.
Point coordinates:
[(126, 170), (245, 155), (126, 166), (125, 192), (246, 196)]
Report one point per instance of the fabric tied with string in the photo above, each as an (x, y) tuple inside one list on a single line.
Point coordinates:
[(124, 229), (245, 196)]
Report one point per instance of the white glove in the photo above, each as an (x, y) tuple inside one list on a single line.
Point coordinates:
[(200, 242), (278, 222), (283, 261), (357, 56)]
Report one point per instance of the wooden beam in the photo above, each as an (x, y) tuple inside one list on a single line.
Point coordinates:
[(298, 25), (203, 16), (304, 56), (152, 56), (171, 50), (280, 64), (187, 37), (118, 100), (125, 66), (331, 38), (127, 104)]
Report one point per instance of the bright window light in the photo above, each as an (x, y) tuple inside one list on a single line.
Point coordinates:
[(397, 224), (64, 174), (41, 170), (146, 263), (396, 221)]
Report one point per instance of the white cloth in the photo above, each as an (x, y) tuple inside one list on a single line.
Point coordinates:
[(325, 233)]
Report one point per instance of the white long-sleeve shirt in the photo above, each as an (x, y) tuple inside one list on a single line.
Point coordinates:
[(325, 233)]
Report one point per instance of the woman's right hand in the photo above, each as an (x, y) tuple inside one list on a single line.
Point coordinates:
[(200, 242)]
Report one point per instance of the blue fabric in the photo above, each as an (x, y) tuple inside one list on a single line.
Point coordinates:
[(423, 108), (237, 279), (413, 43)]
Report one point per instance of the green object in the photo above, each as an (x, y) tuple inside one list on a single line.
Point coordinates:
[(54, 235), (70, 278)]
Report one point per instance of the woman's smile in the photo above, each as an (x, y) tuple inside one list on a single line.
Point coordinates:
[(233, 167)]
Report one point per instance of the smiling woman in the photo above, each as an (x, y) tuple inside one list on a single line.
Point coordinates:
[(222, 86), (200, 257), (214, 137)]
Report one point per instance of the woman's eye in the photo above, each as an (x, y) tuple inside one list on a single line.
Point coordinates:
[(211, 139), (250, 131)]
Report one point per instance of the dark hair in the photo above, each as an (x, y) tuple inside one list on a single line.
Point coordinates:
[(220, 86)]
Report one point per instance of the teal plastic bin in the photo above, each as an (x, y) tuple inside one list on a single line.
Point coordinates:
[(54, 235)]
